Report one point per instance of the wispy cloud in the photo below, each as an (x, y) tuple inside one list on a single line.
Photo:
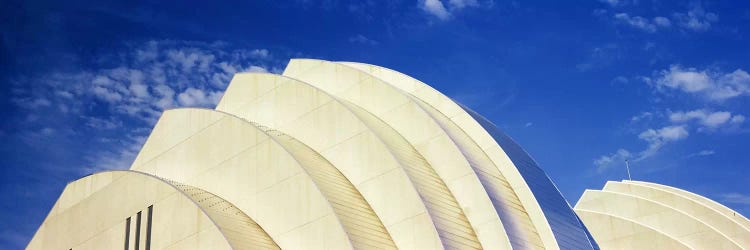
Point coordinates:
[(193, 97), (706, 118), (435, 8), (600, 57), (656, 139), (619, 3), (611, 2), (151, 77), (642, 116), (459, 4), (736, 198), (119, 156), (649, 25), (696, 19), (361, 39), (102, 123), (605, 162), (124, 96), (443, 11), (712, 84), (675, 125), (704, 152)]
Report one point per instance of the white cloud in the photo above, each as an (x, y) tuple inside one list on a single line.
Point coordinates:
[(359, 38), (193, 97), (40, 137), (260, 53), (458, 4), (47, 131), (64, 94), (717, 118), (696, 19), (662, 21), (139, 90), (436, 8), (641, 116), (737, 119), (620, 80), (736, 198), (656, 139), (99, 123), (618, 3), (137, 87), (128, 93), (665, 134), (165, 99), (121, 157), (189, 58), (600, 57), (706, 152), (102, 81), (707, 118), (607, 161), (32, 103), (256, 69), (716, 86), (445, 9), (645, 24), (688, 80), (610, 2), (702, 153), (105, 94)]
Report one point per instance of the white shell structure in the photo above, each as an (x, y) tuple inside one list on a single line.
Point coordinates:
[(328, 155), (643, 215)]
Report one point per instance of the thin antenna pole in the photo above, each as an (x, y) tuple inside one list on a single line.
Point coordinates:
[(627, 166)]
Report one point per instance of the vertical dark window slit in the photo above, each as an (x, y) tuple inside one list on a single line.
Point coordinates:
[(127, 233), (138, 230), (148, 227)]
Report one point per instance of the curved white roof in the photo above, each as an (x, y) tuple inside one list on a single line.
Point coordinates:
[(328, 155), (688, 218)]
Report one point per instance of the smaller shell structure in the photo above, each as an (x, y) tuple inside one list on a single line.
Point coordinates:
[(643, 215)]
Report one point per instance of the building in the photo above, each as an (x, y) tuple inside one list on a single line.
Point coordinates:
[(643, 215), (329, 155)]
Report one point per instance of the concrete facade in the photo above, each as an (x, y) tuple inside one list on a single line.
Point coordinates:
[(640, 215), (328, 155)]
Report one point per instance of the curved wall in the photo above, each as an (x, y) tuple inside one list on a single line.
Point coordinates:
[(239, 162), (115, 209), (469, 130), (348, 142)]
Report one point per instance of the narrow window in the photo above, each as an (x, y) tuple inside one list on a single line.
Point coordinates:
[(127, 233), (138, 230), (148, 227)]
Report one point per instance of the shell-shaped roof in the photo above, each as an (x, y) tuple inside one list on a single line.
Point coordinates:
[(670, 214), (335, 155)]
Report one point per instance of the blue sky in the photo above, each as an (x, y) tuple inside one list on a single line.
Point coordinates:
[(582, 85)]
